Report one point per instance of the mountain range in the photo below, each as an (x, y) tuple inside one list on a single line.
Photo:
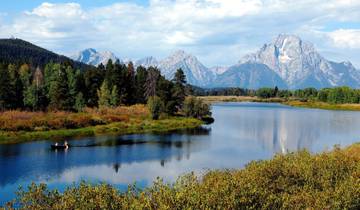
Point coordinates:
[(286, 62)]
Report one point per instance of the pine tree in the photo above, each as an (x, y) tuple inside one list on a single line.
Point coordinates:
[(72, 82), (179, 91), (130, 84), (151, 82), (60, 98), (79, 102), (140, 80), (93, 80), (5, 86), (104, 94), (114, 99), (119, 79), (16, 88)]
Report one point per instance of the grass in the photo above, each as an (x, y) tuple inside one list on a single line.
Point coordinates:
[(19, 126), (323, 105), (330, 180), (289, 102), (215, 99)]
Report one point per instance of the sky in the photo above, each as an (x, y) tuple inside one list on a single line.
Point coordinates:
[(218, 32)]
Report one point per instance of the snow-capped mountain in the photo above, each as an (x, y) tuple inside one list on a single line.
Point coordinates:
[(249, 75), (147, 62), (286, 62), (219, 69), (196, 73), (300, 65), (92, 57)]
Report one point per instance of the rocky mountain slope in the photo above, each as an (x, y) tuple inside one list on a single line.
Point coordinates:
[(287, 62), (300, 65), (92, 57)]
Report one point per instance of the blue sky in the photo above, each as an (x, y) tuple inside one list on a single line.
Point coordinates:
[(218, 32)]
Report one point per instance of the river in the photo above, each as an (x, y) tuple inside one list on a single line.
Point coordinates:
[(242, 132)]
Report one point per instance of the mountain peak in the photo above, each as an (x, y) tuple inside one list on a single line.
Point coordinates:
[(299, 64), (93, 57), (147, 62)]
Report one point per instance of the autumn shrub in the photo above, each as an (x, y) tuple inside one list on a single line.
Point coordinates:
[(329, 180), (34, 121)]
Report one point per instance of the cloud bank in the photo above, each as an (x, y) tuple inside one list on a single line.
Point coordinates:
[(219, 32)]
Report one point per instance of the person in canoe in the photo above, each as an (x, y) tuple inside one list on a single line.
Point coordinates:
[(58, 146), (66, 145)]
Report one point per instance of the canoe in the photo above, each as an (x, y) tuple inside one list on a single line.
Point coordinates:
[(59, 146)]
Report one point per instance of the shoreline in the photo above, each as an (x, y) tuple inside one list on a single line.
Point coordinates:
[(326, 180), (291, 102), (116, 128)]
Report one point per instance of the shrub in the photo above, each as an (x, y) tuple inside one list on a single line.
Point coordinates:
[(195, 107), (294, 181)]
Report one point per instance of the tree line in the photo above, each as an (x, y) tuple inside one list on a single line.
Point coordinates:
[(61, 87), (336, 95)]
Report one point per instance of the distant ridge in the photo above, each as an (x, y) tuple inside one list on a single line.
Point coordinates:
[(19, 51)]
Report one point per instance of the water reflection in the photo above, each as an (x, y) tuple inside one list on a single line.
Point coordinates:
[(242, 132), (36, 161)]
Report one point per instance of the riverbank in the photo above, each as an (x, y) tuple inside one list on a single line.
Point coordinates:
[(322, 105), (17, 127), (329, 180), (289, 102)]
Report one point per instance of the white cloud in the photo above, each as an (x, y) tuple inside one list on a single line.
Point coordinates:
[(346, 38), (207, 28)]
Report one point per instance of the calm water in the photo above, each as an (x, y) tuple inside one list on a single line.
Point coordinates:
[(242, 132)]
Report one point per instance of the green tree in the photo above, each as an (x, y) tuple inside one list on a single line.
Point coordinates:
[(79, 102), (179, 91), (59, 92), (151, 82), (194, 107), (140, 80), (155, 105), (5, 88), (114, 98), (93, 80), (130, 84), (104, 95), (35, 97), (16, 87)]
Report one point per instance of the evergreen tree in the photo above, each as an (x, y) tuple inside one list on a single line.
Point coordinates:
[(35, 97), (163, 90), (151, 82), (179, 91), (25, 75), (79, 102), (93, 80), (16, 87), (114, 98), (140, 80), (73, 84), (130, 84), (5, 86), (109, 73), (104, 94), (60, 98), (120, 80)]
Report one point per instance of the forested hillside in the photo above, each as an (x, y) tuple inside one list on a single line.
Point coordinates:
[(17, 51)]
